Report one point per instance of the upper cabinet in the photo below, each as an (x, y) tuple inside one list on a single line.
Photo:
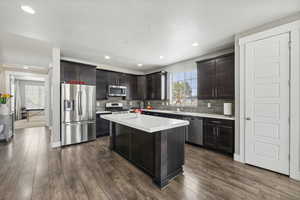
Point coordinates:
[(216, 78), (156, 86), (71, 71)]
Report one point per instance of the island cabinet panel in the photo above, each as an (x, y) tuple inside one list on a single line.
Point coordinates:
[(122, 141), (159, 154), (143, 150)]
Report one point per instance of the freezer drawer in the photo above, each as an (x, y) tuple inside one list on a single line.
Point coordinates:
[(73, 133)]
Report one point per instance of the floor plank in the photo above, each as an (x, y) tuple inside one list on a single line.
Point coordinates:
[(31, 169)]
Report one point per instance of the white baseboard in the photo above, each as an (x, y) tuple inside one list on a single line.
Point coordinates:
[(55, 144), (236, 157), (295, 175)]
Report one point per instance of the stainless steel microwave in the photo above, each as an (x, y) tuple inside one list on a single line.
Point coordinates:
[(117, 91)]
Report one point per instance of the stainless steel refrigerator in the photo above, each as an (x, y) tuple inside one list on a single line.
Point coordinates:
[(78, 113)]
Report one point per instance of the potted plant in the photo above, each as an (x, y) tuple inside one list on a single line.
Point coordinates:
[(3, 101)]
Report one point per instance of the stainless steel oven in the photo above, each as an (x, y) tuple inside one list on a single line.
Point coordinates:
[(117, 91)]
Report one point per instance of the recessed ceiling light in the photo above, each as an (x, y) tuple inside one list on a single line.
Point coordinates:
[(28, 9), (139, 65), (107, 57), (161, 57), (25, 67), (195, 44)]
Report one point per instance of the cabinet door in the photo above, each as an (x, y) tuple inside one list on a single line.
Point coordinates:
[(142, 150), (101, 84), (141, 87), (210, 136), (206, 79), (132, 93), (122, 140), (157, 86), (87, 74), (150, 89), (69, 71), (225, 77), (225, 139)]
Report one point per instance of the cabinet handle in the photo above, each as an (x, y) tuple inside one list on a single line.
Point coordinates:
[(216, 92), (213, 92)]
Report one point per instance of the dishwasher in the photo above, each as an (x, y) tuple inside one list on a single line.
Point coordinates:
[(194, 134)]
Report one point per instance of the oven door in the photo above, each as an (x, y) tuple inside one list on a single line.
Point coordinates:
[(117, 91)]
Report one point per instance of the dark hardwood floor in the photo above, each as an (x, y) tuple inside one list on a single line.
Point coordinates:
[(30, 169)]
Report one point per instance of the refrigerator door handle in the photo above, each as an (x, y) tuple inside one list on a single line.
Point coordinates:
[(79, 103)]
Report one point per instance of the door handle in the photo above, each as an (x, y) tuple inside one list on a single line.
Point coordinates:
[(248, 118), (79, 104)]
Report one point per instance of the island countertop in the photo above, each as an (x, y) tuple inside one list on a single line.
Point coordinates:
[(145, 123)]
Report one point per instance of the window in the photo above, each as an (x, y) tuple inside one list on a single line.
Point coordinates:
[(183, 88), (34, 96)]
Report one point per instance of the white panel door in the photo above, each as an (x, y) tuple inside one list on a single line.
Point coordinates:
[(267, 103)]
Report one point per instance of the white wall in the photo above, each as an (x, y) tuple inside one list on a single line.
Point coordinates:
[(55, 84)]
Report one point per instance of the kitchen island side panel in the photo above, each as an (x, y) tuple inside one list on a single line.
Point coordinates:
[(159, 154)]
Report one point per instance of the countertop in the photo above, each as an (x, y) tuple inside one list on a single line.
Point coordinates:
[(145, 123), (103, 112), (215, 116)]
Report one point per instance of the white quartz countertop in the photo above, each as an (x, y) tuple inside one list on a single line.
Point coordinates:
[(146, 123), (103, 112), (215, 116)]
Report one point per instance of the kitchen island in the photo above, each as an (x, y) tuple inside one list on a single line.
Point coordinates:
[(154, 144)]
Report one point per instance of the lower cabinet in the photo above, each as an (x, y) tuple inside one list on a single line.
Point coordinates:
[(219, 135), (142, 148), (216, 134), (102, 126), (122, 141), (135, 145)]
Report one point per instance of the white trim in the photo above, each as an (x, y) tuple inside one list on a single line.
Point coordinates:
[(105, 67), (294, 30), (55, 144), (267, 33), (236, 157), (295, 106)]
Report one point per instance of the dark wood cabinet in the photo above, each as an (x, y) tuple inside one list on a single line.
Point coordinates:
[(71, 71), (219, 135), (102, 126), (206, 79), (156, 86), (123, 140), (141, 87), (102, 84), (142, 149), (216, 78)]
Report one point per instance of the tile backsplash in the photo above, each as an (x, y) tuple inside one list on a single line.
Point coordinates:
[(216, 105)]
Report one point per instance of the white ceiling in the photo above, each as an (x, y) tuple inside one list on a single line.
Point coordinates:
[(139, 31), (18, 51)]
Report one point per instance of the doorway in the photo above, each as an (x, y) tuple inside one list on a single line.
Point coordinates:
[(267, 108)]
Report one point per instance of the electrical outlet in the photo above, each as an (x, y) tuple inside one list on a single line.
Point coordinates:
[(130, 103), (98, 104), (209, 105)]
